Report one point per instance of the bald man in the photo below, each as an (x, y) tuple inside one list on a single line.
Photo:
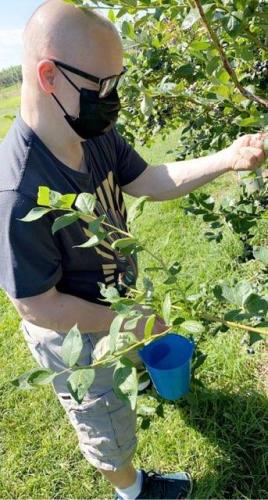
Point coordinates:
[(65, 137)]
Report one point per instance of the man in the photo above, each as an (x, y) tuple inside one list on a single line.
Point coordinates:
[(64, 138)]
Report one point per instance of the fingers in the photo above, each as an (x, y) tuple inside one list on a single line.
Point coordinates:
[(254, 140), (256, 155), (249, 158)]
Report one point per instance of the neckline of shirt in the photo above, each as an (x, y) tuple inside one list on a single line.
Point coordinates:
[(28, 132)]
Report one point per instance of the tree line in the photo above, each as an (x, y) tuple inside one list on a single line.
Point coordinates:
[(10, 76)]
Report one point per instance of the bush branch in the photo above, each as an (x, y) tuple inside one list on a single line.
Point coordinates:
[(225, 61)]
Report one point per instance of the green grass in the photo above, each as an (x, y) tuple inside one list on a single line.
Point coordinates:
[(219, 434), (9, 104)]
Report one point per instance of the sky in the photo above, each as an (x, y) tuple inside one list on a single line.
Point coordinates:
[(13, 17)]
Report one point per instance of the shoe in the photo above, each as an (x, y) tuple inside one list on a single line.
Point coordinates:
[(145, 383), (165, 486)]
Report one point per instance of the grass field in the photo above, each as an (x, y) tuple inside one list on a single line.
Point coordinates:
[(221, 436), (9, 103)]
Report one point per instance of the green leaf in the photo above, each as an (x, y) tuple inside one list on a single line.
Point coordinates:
[(190, 19), (125, 382), (95, 240), (199, 361), (124, 243), (136, 209), (236, 315), (128, 30), (147, 105), (50, 198), (54, 196), (170, 280), (122, 308), (242, 291), (200, 45), (185, 70), (248, 122), (166, 308), (79, 382), (223, 76), (43, 197), (132, 323), (102, 348), (232, 24), (192, 326), (111, 16), (35, 214), (261, 253), (42, 377), (66, 201), (149, 326), (125, 339), (255, 337), (114, 331), (237, 295), (86, 203), (222, 91), (255, 304), (110, 293), (64, 221), (72, 347), (95, 225), (22, 382)]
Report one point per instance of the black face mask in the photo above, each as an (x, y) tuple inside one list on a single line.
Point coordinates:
[(97, 115)]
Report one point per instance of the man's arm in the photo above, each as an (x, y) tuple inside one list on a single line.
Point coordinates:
[(172, 180), (60, 312)]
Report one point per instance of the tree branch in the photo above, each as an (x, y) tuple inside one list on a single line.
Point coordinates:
[(232, 324), (226, 64)]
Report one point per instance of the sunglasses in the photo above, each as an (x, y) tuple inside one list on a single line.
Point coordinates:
[(107, 85)]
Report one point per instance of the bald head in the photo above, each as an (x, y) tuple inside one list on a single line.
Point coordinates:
[(79, 37), (62, 31)]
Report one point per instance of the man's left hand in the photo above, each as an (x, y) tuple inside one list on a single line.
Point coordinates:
[(247, 152)]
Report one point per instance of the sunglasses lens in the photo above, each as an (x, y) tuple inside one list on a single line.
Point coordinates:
[(108, 86), (121, 80)]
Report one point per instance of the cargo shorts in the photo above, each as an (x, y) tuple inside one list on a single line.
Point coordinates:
[(105, 426)]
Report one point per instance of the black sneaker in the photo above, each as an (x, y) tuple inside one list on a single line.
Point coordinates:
[(165, 486), (145, 383)]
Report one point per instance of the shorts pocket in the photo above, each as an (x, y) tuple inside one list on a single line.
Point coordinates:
[(89, 418), (122, 420), (105, 429)]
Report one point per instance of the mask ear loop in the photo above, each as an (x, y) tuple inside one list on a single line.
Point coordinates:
[(72, 83), (69, 79)]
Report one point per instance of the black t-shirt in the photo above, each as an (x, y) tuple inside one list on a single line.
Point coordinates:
[(32, 260)]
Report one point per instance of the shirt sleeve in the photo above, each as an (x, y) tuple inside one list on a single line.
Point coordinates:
[(129, 163), (30, 260)]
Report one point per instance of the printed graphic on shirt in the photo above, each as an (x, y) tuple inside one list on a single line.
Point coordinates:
[(110, 203)]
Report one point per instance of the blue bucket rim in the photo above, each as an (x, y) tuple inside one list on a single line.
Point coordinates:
[(173, 334)]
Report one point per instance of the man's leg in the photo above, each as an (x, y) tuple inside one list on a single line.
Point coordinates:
[(121, 478), (105, 426)]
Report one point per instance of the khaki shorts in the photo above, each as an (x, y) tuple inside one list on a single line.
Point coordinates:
[(105, 426)]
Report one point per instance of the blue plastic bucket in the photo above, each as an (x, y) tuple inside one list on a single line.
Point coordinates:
[(168, 361)]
